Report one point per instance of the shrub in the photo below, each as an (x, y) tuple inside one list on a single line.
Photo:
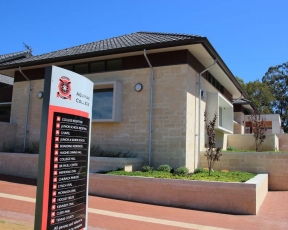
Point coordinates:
[(199, 170), (231, 148), (164, 168), (212, 154), (259, 128), (147, 168), (182, 171)]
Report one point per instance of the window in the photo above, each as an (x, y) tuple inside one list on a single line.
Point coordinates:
[(114, 64), (81, 68), (107, 102), (102, 103), (220, 116), (214, 82), (96, 67)]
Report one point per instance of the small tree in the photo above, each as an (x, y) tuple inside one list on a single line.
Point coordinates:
[(259, 128), (212, 153)]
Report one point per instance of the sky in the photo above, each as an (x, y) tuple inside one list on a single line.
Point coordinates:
[(249, 35)]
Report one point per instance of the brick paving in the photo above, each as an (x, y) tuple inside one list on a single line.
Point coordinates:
[(106, 214)]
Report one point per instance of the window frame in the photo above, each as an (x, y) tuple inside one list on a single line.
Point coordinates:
[(117, 100)]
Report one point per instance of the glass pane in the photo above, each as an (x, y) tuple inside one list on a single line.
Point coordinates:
[(68, 67), (220, 116), (114, 64), (102, 104), (81, 68), (97, 67)]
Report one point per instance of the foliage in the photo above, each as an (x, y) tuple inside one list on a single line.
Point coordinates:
[(261, 95), (147, 168), (32, 148), (276, 78), (212, 154), (199, 170), (97, 152), (233, 176), (231, 148), (259, 128), (181, 171), (164, 168)]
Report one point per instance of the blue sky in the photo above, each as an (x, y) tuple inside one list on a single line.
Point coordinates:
[(250, 36)]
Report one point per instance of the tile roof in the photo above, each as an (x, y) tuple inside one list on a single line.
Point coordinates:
[(241, 101), (13, 56), (5, 80), (133, 40)]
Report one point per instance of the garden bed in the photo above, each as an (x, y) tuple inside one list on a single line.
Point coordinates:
[(237, 198)]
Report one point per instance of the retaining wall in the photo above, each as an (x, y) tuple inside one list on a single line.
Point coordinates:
[(275, 164), (237, 198), (26, 165), (7, 135), (247, 142)]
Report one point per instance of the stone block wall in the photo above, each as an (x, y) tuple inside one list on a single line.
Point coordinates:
[(275, 164), (18, 111), (247, 142), (7, 135), (238, 198)]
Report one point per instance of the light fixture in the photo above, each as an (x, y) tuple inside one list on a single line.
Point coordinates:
[(138, 87), (40, 94)]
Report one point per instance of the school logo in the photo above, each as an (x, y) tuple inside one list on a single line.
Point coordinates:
[(64, 88)]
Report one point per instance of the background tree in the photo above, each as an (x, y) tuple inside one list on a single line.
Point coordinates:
[(260, 94), (276, 78)]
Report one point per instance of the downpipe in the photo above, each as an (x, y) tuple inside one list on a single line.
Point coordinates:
[(199, 108), (27, 108), (151, 108)]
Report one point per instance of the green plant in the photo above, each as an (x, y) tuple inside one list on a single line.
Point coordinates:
[(182, 171), (204, 176), (212, 154), (199, 170), (164, 168), (147, 168), (97, 152), (32, 148), (231, 148)]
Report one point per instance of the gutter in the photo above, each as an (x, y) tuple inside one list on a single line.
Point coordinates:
[(199, 108), (27, 108), (151, 108)]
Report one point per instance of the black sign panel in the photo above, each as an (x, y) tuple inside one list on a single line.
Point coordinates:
[(68, 172)]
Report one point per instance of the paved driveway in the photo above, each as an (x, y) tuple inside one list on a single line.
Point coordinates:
[(17, 204)]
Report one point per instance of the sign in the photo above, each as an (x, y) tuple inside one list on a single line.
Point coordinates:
[(62, 186)]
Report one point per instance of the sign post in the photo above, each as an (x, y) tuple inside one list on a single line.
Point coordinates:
[(63, 168)]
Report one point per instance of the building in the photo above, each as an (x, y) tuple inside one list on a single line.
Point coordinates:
[(6, 85), (128, 71)]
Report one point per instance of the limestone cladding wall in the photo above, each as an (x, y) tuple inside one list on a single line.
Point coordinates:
[(238, 198), (239, 117), (283, 142), (26, 165), (247, 142), (18, 110), (169, 115), (175, 116), (7, 135), (275, 164), (112, 163), (19, 164)]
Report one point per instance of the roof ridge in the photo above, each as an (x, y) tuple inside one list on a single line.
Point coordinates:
[(166, 33)]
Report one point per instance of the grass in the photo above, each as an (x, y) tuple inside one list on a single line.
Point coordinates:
[(233, 176)]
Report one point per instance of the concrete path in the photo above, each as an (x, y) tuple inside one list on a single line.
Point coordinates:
[(17, 206)]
